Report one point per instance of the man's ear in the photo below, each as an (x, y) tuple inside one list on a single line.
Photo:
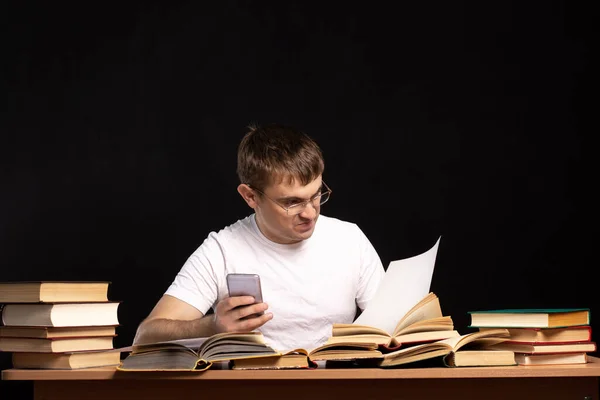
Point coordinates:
[(248, 195)]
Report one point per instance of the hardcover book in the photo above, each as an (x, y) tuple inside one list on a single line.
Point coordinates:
[(530, 318)]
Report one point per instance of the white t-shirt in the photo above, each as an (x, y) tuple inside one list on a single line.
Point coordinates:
[(308, 285)]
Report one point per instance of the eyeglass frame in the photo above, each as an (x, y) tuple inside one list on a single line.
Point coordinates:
[(304, 203)]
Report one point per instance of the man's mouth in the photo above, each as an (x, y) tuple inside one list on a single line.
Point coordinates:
[(306, 225)]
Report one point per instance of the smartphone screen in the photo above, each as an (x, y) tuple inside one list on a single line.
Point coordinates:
[(244, 285)]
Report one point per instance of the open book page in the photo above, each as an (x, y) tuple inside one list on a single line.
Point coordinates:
[(440, 347), (352, 330), (360, 338), (193, 344), (444, 323), (345, 351), (404, 284), (427, 309), (200, 343), (482, 337)]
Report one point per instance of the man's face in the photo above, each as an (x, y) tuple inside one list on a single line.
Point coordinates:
[(273, 220)]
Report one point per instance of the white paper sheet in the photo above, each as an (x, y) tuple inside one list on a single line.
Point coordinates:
[(405, 283)]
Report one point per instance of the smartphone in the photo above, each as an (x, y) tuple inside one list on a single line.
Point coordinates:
[(245, 285)]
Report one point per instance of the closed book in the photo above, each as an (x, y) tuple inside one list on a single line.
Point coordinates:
[(55, 345), (61, 314), (551, 359), (545, 348), (44, 332), (53, 292), (479, 358), (72, 360), (550, 335), (530, 318)]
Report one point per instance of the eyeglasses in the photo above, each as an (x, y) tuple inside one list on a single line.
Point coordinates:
[(297, 208)]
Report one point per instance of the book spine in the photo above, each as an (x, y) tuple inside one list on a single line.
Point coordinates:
[(1, 314)]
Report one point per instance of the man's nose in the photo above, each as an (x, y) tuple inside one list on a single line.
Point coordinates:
[(310, 211)]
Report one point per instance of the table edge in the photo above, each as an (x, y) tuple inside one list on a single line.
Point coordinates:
[(591, 369)]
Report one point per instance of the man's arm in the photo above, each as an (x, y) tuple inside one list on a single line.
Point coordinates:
[(172, 319)]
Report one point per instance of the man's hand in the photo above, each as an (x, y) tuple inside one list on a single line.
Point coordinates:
[(236, 314)]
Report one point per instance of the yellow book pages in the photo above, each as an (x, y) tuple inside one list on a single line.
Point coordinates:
[(377, 339), (433, 324), (479, 358), (426, 309), (286, 361), (351, 329)]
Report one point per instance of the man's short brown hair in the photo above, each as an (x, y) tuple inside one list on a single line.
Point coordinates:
[(275, 152)]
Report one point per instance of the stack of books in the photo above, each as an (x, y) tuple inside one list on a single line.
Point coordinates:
[(541, 336), (58, 325)]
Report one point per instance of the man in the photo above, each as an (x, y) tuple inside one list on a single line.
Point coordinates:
[(314, 270)]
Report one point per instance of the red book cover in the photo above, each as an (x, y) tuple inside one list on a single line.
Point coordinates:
[(541, 336)]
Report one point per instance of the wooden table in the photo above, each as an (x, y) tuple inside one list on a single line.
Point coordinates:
[(489, 383)]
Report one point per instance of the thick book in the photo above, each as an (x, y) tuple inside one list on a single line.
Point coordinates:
[(442, 348), (196, 354), (480, 358), (303, 358), (60, 314), (44, 332), (581, 333), (424, 322), (53, 292), (290, 360), (546, 348), (551, 359), (73, 360), (530, 318), (37, 345)]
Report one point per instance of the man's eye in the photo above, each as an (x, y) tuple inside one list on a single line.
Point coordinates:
[(291, 203)]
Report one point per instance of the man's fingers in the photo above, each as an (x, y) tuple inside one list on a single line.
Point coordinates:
[(251, 324), (246, 311), (237, 301)]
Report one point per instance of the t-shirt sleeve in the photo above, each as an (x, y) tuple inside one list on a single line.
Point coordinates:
[(197, 283), (371, 271)]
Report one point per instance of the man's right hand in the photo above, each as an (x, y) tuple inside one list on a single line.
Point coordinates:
[(236, 314)]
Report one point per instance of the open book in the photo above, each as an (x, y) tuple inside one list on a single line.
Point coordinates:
[(424, 322), (197, 354), (302, 358), (444, 347), (405, 283), (403, 310)]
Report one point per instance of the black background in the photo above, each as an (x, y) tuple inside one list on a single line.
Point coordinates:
[(467, 120)]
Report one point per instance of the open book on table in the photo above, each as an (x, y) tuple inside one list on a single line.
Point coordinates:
[(403, 310), (424, 322), (196, 354), (302, 358), (444, 348)]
